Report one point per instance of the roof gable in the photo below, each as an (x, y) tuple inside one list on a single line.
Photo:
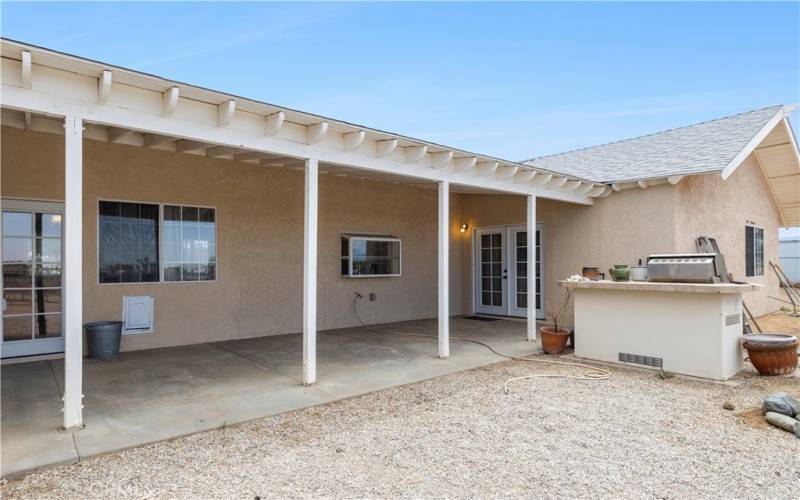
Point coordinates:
[(710, 146)]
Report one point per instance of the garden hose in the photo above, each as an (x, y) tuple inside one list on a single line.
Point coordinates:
[(590, 373)]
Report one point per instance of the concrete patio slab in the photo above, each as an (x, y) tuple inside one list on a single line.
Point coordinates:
[(147, 396), (31, 418)]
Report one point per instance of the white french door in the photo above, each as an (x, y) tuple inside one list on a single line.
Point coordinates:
[(501, 271), (31, 268)]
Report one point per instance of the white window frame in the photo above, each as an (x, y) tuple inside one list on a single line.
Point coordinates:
[(160, 242), (763, 246), (367, 237)]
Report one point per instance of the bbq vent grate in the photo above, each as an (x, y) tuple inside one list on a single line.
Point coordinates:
[(641, 360), (732, 319)]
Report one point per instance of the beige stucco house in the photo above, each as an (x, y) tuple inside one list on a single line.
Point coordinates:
[(201, 216)]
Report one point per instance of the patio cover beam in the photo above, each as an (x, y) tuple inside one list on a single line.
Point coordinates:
[(73, 272), (67, 97)]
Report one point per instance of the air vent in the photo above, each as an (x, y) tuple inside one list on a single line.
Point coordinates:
[(641, 360), (732, 319)]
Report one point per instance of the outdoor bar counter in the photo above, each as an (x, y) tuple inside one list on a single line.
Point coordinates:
[(687, 328)]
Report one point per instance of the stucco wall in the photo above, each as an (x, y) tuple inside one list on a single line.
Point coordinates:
[(260, 239), (707, 205)]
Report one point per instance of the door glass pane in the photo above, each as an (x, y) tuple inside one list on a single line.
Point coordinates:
[(17, 249), (17, 224), (521, 269), (48, 250), (16, 275), (491, 254), (47, 325), (538, 270), (48, 225), (18, 302), (47, 301), (17, 328), (48, 275)]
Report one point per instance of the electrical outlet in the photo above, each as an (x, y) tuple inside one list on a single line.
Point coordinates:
[(372, 297)]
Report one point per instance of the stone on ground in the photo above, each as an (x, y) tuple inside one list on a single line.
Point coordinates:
[(780, 420), (781, 402)]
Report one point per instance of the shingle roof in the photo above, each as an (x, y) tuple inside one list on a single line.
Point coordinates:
[(704, 147)]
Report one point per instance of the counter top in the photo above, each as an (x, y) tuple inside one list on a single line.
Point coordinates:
[(663, 287)]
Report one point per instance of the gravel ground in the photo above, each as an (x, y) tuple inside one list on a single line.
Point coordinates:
[(780, 322), (459, 436)]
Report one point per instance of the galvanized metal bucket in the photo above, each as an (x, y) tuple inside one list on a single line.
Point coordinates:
[(103, 338)]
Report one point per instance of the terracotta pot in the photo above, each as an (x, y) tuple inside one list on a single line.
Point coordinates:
[(593, 273), (553, 342), (771, 360)]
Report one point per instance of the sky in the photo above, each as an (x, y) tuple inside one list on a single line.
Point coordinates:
[(512, 80)]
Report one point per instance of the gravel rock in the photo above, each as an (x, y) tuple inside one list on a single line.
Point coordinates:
[(781, 402), (728, 405), (780, 420), (460, 436)]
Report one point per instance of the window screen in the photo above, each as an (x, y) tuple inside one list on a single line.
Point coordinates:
[(190, 245), (128, 242)]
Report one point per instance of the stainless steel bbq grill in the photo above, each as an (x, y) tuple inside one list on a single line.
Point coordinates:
[(684, 268)]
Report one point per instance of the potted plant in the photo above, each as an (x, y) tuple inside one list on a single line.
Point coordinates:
[(554, 337)]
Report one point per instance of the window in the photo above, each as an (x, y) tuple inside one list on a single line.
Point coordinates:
[(190, 246), (128, 242), (370, 255), (754, 250), (132, 249)]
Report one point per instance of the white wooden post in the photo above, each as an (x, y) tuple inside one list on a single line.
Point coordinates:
[(310, 274), (444, 269), (72, 270), (531, 260)]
